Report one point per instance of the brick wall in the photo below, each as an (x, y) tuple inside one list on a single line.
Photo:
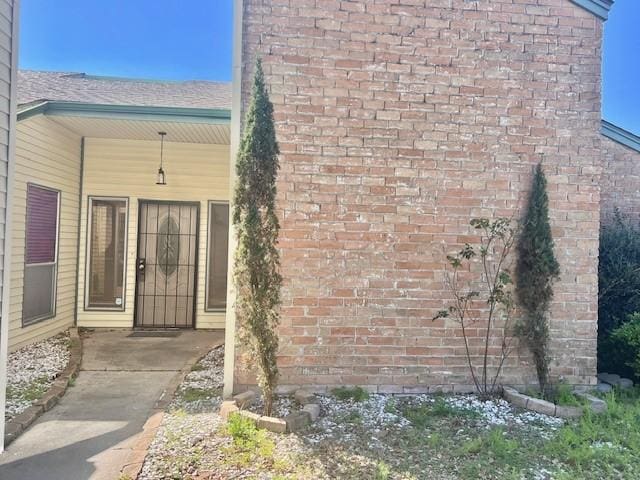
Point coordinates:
[(620, 180), (399, 121)]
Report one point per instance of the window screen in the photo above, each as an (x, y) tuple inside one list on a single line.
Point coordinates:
[(107, 249), (218, 249), (41, 247)]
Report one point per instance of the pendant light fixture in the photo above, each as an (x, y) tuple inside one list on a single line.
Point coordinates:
[(162, 178)]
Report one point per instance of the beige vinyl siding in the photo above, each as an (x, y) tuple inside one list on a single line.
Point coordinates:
[(47, 154), (127, 168)]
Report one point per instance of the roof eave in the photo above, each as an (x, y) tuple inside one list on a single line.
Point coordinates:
[(211, 116), (620, 135), (600, 8)]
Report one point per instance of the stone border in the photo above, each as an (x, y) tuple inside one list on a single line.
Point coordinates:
[(615, 380), (52, 396), (538, 405), (293, 422)]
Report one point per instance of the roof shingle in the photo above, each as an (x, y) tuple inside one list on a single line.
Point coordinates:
[(36, 86)]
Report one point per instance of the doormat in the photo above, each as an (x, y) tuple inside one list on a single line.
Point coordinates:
[(154, 334)]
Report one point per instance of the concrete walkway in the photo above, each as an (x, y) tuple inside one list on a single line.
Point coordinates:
[(91, 433)]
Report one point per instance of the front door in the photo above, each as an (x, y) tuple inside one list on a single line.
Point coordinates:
[(166, 264)]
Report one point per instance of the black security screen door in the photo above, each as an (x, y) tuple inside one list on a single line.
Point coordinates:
[(166, 264)]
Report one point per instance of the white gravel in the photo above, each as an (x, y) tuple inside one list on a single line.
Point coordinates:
[(282, 406), (378, 413), (209, 373), (207, 377), (187, 424), (33, 369), (336, 418), (190, 442), (500, 412)]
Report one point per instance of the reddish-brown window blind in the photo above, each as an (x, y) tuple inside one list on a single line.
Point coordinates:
[(42, 225)]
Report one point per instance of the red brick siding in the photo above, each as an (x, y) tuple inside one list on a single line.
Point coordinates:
[(399, 121), (620, 183)]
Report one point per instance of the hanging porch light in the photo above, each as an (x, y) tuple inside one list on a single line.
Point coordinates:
[(161, 178)]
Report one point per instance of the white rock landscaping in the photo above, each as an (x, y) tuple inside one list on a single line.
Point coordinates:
[(31, 370), (349, 439)]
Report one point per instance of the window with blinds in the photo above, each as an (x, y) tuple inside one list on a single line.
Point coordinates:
[(107, 242), (217, 255), (41, 254)]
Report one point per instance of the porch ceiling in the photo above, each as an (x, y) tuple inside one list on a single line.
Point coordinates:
[(145, 129), (136, 122)]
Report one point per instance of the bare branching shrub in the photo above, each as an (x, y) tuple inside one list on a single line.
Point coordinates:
[(484, 301)]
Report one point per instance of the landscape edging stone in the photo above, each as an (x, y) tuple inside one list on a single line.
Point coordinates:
[(292, 423), (544, 407)]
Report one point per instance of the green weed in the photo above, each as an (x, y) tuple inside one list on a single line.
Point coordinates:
[(355, 394), (353, 417), (564, 396), (31, 392), (248, 438), (196, 394), (422, 415), (604, 445), (391, 406), (383, 472)]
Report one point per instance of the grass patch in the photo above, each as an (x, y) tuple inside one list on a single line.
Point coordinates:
[(353, 417), (424, 414), (197, 394), (494, 451), (561, 394), (31, 392), (355, 394), (391, 406), (251, 446), (383, 472), (605, 445), (198, 367), (495, 443), (565, 397)]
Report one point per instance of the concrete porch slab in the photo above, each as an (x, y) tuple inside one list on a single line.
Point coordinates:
[(116, 350)]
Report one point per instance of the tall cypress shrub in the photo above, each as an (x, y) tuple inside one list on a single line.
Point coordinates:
[(536, 270), (257, 261)]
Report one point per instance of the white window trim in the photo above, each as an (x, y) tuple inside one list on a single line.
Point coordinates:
[(206, 270), (87, 264)]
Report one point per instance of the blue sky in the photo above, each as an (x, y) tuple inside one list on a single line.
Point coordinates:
[(621, 66), (168, 39), (165, 39)]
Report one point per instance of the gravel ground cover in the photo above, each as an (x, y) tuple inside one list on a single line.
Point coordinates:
[(32, 370), (382, 437), (282, 406), (202, 387)]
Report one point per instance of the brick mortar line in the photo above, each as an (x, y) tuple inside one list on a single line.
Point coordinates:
[(20, 423), (127, 371)]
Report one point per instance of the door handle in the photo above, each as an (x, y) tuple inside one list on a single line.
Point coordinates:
[(142, 264)]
